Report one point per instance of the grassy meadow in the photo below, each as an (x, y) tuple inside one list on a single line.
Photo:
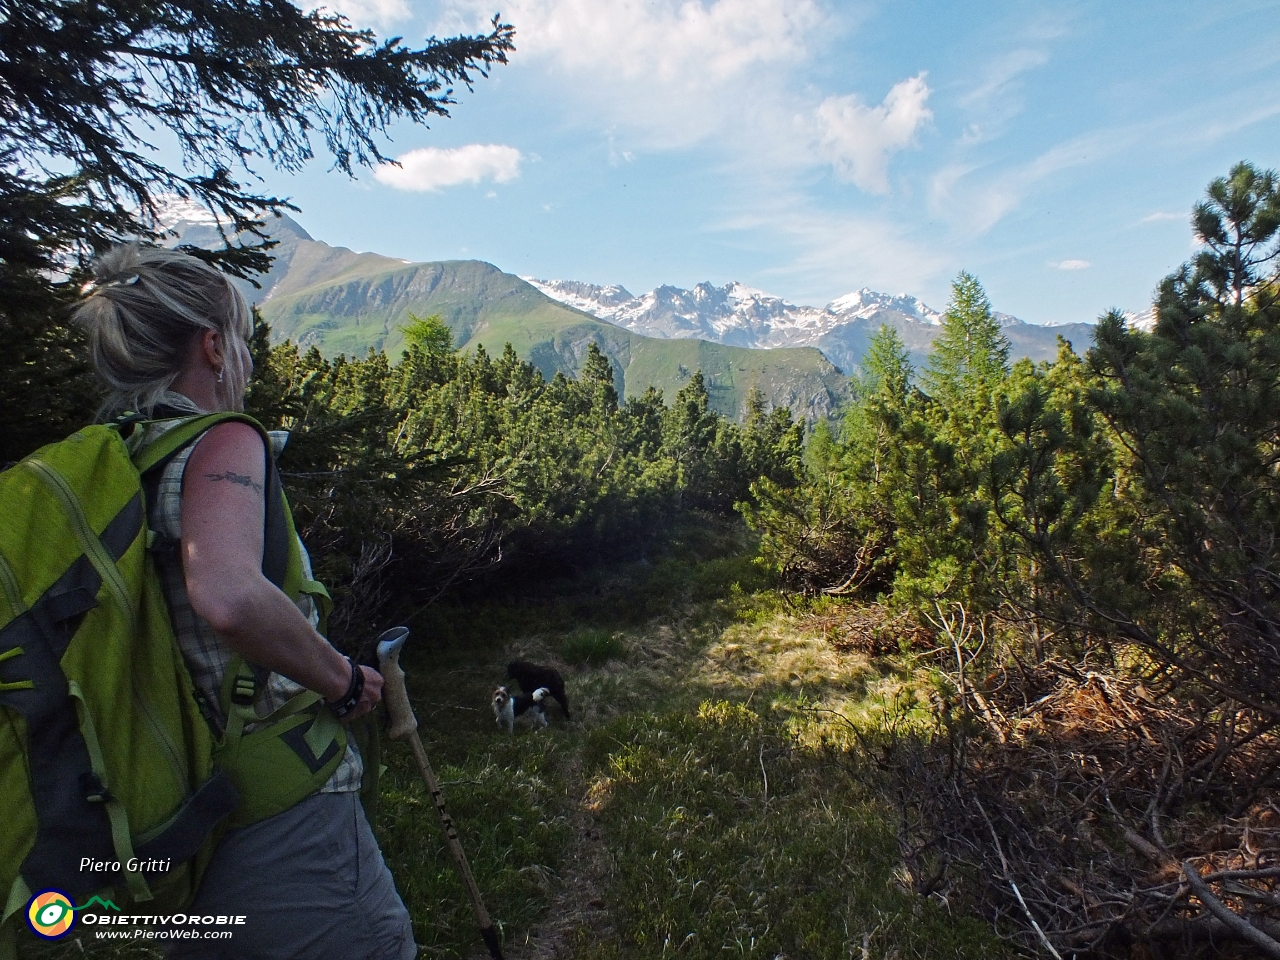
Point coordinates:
[(708, 798)]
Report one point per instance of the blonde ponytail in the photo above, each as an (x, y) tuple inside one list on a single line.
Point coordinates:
[(142, 312)]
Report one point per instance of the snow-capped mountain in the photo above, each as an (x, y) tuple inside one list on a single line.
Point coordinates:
[(742, 316), (174, 213), (1144, 321), (866, 304), (734, 314)]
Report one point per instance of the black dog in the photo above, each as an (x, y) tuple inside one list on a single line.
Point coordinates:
[(531, 676)]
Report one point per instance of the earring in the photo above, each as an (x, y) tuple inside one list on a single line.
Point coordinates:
[(220, 372)]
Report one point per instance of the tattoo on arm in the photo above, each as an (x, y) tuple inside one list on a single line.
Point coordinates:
[(236, 478)]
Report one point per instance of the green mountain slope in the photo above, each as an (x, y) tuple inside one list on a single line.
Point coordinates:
[(345, 302)]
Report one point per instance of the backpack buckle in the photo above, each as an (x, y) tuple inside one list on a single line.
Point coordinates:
[(126, 422), (243, 691), (95, 791)]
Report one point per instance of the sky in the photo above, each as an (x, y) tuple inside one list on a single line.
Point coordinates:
[(810, 148)]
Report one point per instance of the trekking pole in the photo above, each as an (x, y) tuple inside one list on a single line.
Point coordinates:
[(404, 725)]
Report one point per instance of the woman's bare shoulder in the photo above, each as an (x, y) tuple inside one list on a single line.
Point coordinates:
[(232, 452)]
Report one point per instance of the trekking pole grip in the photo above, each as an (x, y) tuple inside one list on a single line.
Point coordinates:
[(403, 722)]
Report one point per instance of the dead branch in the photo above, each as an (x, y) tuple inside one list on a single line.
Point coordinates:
[(1074, 824), (1232, 921)]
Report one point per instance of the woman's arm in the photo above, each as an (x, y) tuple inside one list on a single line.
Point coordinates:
[(222, 541)]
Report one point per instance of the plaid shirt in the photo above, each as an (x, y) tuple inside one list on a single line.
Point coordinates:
[(206, 655)]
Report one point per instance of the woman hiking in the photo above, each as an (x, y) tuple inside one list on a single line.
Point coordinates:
[(169, 334)]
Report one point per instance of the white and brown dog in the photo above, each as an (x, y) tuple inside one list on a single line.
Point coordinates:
[(506, 707)]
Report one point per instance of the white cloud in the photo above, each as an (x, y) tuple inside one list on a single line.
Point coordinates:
[(431, 168), (1071, 264), (825, 253), (858, 139), (974, 204), (373, 13), (666, 73), (1160, 216), (734, 78), (664, 40), (1000, 77), (1217, 129)]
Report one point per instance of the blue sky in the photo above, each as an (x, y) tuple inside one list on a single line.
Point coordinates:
[(809, 148)]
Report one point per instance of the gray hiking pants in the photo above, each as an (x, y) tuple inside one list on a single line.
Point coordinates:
[(310, 882)]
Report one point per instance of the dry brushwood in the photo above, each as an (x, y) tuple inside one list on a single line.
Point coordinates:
[(365, 596), (871, 629), (1070, 805)]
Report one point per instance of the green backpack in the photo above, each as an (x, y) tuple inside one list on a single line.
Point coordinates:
[(107, 754)]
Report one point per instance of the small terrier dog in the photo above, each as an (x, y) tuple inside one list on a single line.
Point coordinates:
[(506, 707), (532, 676)]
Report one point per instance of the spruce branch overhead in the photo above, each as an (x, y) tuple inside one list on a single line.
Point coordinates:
[(86, 88)]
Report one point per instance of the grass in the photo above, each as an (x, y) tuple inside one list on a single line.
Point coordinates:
[(731, 842), (701, 783), (699, 804), (592, 647)]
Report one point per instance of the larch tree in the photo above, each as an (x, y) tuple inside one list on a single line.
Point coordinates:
[(970, 355)]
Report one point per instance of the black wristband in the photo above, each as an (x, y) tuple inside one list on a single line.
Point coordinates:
[(355, 689)]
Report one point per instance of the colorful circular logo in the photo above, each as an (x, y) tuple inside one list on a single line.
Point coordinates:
[(51, 914)]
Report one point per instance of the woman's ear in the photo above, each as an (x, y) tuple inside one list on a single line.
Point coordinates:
[(211, 349)]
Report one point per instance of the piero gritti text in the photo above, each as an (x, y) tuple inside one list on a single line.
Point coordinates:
[(132, 865)]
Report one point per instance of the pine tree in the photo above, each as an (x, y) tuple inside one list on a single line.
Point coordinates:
[(1196, 406), (597, 375), (946, 441), (835, 531), (886, 367), (772, 443), (1238, 223)]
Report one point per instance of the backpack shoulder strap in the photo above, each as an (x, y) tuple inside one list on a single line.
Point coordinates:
[(156, 453)]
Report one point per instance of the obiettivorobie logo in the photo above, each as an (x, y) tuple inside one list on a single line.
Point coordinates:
[(51, 913)]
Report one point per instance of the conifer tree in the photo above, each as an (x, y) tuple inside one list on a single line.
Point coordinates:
[(597, 375), (1196, 405), (945, 448), (84, 86), (689, 427), (886, 367), (970, 356), (772, 443), (835, 531), (1238, 222)]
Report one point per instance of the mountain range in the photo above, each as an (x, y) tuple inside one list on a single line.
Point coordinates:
[(742, 316), (345, 302), (799, 356)]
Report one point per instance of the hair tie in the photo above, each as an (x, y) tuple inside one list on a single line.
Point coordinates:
[(97, 286)]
